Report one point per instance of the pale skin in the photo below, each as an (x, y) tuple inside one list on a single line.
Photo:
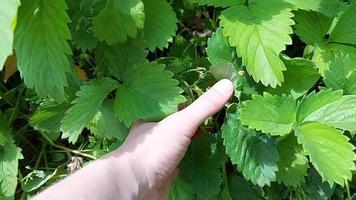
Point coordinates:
[(146, 164)]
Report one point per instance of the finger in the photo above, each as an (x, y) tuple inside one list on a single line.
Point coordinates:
[(190, 118)]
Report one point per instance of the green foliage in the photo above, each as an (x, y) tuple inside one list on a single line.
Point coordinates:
[(254, 154), (9, 156), (276, 115), (41, 40), (148, 92), (341, 75), (260, 32), (85, 106), (119, 20), (90, 68), (319, 142), (158, 30), (292, 165), (8, 20)]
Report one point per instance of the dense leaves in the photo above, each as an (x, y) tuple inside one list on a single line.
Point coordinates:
[(254, 154), (89, 68)]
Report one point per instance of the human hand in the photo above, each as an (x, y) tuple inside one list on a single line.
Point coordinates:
[(145, 165), (154, 150)]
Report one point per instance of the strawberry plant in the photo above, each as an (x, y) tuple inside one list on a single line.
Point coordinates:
[(77, 73)]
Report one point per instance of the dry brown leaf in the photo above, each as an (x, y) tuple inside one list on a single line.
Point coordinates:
[(10, 67)]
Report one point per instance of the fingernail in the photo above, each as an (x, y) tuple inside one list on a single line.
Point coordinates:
[(224, 86)]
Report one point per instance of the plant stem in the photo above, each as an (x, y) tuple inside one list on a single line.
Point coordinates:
[(347, 190), (44, 145), (68, 149)]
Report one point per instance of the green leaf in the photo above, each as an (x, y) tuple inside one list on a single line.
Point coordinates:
[(114, 60), (9, 156), (148, 92), (85, 106), (341, 75), (345, 29), (310, 104), (47, 118), (311, 27), (223, 71), (340, 114), (315, 188), (324, 54), (269, 114), (119, 20), (105, 124), (254, 154), (36, 179), (328, 150), (292, 165), (240, 189), (41, 46), (326, 7), (201, 166), (180, 189), (81, 14), (8, 11), (160, 24), (219, 50), (260, 32), (301, 75), (217, 3)]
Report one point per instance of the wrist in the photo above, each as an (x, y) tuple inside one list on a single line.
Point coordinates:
[(124, 175)]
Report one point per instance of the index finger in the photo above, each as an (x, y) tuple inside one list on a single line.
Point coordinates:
[(189, 119)]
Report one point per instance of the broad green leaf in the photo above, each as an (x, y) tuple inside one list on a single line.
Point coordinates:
[(328, 150), (223, 71), (9, 156), (160, 24), (240, 189), (47, 118), (85, 106), (269, 114), (148, 92), (260, 31), (311, 104), (199, 166), (340, 114), (180, 189), (311, 27), (292, 164), (219, 50), (341, 75), (119, 20), (41, 46), (327, 7), (301, 75), (217, 3), (105, 124), (345, 29), (114, 60), (324, 54), (254, 154), (8, 11)]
